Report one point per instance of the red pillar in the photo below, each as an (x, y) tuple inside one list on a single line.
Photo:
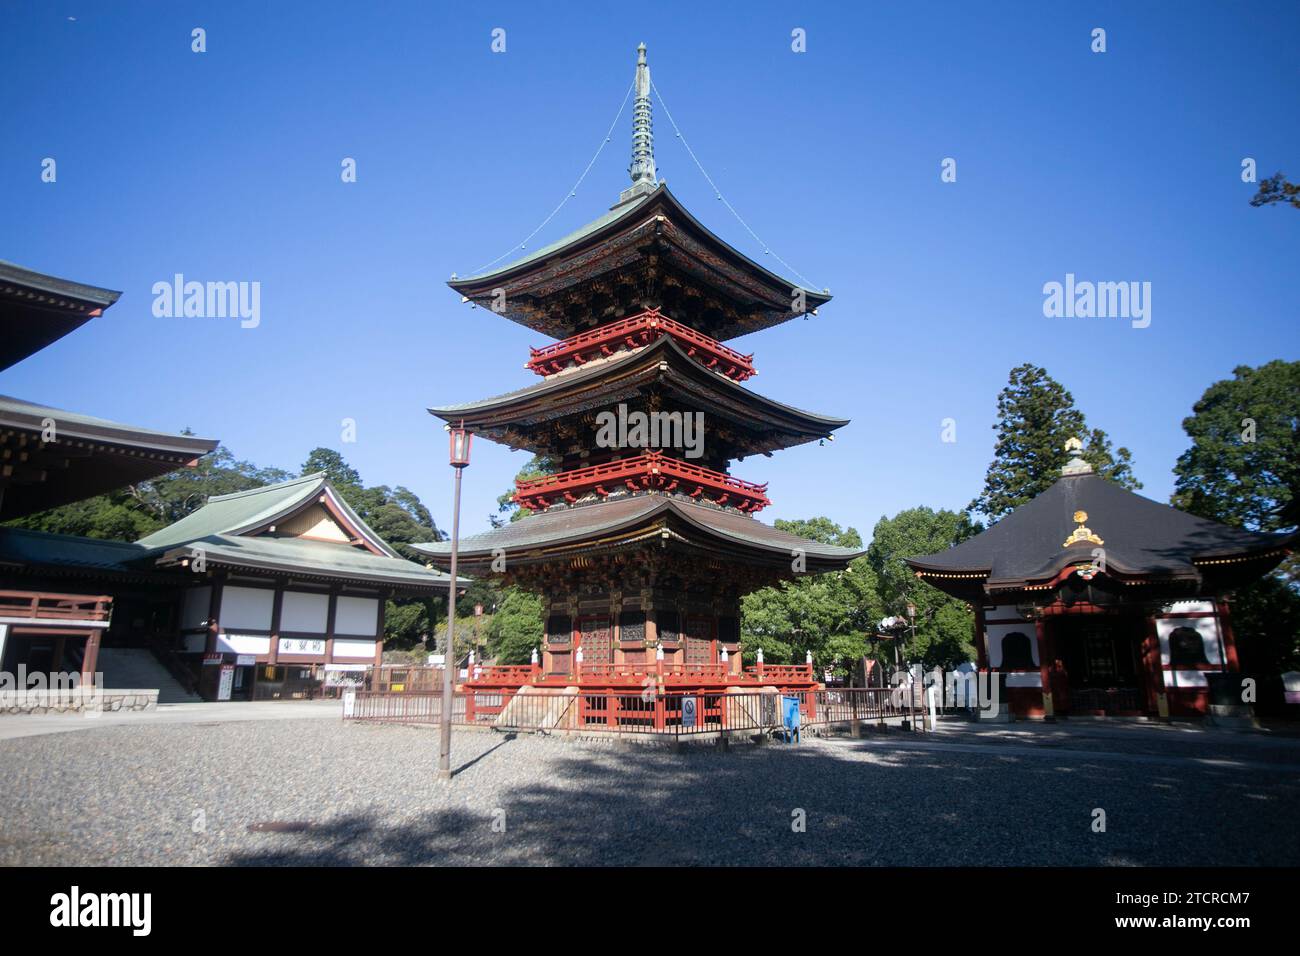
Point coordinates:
[(1046, 653), (1155, 675), (1230, 662), (91, 657)]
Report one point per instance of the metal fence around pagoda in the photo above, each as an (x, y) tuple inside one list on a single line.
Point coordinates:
[(641, 713)]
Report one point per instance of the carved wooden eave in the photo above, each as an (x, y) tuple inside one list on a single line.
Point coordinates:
[(660, 530), (653, 254), (548, 417)]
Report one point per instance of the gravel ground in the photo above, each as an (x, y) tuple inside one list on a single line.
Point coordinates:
[(135, 795)]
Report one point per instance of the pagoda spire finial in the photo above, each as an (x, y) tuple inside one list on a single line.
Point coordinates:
[(1076, 465), (642, 169)]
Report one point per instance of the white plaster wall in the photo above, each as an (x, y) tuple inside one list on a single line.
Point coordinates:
[(1189, 607), (357, 615), (305, 612), (1187, 678), (1207, 626), (993, 634), (345, 648), (242, 644), (246, 608)]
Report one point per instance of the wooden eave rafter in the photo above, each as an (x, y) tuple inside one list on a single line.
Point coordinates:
[(529, 421), (660, 236)]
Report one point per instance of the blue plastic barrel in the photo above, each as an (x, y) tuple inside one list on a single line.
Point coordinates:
[(790, 717)]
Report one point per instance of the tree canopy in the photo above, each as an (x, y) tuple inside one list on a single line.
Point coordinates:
[(1243, 469), (1243, 466), (1036, 417), (516, 627), (944, 625), (1276, 189)]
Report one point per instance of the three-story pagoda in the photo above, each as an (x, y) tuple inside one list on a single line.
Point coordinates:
[(642, 542)]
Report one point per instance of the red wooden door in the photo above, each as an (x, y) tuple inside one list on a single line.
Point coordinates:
[(699, 640), (596, 636)]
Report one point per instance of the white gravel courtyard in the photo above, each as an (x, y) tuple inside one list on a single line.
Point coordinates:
[(186, 791)]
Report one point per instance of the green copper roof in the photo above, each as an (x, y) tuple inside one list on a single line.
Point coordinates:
[(245, 510), (303, 558), (220, 529), (41, 549)]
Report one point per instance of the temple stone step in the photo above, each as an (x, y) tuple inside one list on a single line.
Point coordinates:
[(138, 668)]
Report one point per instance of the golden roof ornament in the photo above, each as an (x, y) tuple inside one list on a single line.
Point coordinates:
[(1082, 534)]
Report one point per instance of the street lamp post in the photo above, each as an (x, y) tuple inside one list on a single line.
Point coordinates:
[(460, 442)]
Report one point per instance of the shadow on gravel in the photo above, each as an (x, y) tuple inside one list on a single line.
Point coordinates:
[(857, 806)]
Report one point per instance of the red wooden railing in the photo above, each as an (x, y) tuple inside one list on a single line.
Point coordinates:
[(55, 607), (651, 470), (633, 332), (517, 675)]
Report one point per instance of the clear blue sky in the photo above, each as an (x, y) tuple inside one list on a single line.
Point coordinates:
[(225, 166)]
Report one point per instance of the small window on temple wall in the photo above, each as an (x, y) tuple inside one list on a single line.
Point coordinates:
[(631, 626), (728, 630), (1016, 652), (670, 627), (1186, 647), (559, 629)]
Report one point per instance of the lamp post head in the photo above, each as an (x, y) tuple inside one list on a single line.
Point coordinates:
[(759, 655), (911, 609), (461, 439), (534, 655), (659, 652)]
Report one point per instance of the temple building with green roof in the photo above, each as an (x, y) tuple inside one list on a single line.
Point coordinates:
[(275, 591)]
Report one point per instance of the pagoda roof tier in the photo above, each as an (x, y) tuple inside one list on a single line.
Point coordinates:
[(648, 520), (540, 418), (1059, 530), (646, 252)]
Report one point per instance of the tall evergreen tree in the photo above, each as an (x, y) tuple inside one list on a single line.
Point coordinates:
[(1036, 416), (1243, 467)]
